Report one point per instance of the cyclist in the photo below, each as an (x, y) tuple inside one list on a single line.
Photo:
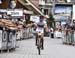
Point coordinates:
[(40, 27)]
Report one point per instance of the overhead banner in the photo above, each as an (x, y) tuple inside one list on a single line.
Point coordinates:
[(65, 14), (15, 12), (2, 11)]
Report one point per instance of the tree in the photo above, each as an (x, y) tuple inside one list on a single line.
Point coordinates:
[(51, 21)]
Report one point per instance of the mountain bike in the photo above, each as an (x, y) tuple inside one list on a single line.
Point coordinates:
[(39, 42)]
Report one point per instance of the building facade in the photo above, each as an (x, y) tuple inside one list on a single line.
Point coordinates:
[(46, 6), (64, 16), (35, 2), (4, 4), (71, 1)]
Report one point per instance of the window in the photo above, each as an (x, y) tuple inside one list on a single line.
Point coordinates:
[(48, 1), (60, 0), (46, 11)]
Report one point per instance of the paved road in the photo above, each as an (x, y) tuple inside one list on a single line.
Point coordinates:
[(53, 49)]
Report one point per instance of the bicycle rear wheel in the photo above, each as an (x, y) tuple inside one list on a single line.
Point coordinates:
[(38, 46)]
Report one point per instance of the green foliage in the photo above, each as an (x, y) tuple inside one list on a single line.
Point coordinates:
[(50, 20)]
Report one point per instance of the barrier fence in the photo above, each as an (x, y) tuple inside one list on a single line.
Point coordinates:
[(25, 33), (69, 37)]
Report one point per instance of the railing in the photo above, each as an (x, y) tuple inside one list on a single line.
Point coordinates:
[(25, 33), (69, 38)]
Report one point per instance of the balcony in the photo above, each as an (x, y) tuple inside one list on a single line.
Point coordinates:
[(60, 1), (41, 2)]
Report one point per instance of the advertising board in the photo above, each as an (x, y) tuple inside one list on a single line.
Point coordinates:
[(34, 18), (15, 12), (63, 12)]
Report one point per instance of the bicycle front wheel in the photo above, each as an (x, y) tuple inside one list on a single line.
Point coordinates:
[(39, 50)]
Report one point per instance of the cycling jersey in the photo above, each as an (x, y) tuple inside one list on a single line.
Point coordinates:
[(40, 26)]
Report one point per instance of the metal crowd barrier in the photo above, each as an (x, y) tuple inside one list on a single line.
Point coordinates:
[(69, 38), (25, 33), (7, 40)]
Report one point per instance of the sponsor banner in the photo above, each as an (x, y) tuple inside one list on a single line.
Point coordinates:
[(15, 12), (34, 18)]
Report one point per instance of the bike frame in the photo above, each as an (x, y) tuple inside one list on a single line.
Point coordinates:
[(39, 42)]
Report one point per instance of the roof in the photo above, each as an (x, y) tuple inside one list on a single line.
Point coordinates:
[(31, 6)]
